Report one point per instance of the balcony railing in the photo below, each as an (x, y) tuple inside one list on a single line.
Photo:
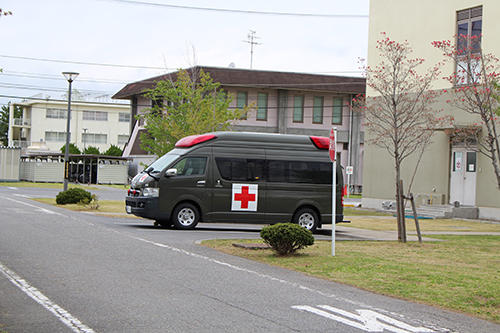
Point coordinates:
[(20, 143), (22, 122)]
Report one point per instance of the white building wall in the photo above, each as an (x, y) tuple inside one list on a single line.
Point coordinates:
[(36, 112)]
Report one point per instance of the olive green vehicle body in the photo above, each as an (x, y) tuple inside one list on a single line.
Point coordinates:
[(237, 177)]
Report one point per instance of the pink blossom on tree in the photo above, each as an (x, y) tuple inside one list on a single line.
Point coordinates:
[(476, 91), (399, 116)]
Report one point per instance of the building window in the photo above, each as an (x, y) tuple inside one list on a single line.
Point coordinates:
[(95, 115), (298, 109), (124, 117), (158, 104), (242, 101), (94, 138), (56, 114), (56, 136), (318, 110), (469, 24), (337, 111), (122, 139), (469, 29), (262, 106)]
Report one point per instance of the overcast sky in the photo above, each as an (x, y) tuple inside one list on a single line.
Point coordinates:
[(115, 42)]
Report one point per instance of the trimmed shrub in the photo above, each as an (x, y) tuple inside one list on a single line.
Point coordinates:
[(90, 150), (73, 196), (287, 238), (73, 149), (113, 151)]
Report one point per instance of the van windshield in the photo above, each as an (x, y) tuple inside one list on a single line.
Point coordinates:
[(160, 164)]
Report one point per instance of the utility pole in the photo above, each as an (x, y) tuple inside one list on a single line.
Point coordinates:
[(251, 37)]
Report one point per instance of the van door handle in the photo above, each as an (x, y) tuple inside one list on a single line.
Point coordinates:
[(217, 183), (200, 182)]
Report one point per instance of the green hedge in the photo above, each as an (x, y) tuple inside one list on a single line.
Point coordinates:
[(73, 196), (287, 238)]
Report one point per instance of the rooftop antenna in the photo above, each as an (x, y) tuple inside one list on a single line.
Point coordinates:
[(251, 36)]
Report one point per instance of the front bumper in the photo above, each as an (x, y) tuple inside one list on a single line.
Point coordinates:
[(145, 207)]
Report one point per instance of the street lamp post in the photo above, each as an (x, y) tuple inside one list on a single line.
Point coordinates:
[(84, 139), (70, 76), (84, 149)]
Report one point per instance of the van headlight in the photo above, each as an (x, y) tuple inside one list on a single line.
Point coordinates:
[(150, 192)]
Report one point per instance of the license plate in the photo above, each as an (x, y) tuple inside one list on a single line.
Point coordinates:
[(128, 209)]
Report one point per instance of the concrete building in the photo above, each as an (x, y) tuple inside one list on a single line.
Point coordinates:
[(92, 124), (449, 173), (288, 103)]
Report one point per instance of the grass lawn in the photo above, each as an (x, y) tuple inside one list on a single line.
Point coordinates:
[(389, 223), (106, 207), (461, 274)]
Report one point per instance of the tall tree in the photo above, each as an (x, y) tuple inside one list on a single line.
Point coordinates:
[(398, 115), (73, 149), (91, 150), (475, 91), (4, 121), (113, 151), (193, 104)]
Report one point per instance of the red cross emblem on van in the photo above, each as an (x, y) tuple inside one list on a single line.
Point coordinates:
[(244, 197)]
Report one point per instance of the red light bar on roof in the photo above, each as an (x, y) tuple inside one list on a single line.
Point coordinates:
[(192, 140), (321, 142)]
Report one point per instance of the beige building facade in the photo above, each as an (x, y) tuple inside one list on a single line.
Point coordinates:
[(286, 103), (449, 173)]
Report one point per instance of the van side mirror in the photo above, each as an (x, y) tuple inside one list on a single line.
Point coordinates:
[(171, 172)]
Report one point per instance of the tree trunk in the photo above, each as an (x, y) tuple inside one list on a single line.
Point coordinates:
[(400, 214)]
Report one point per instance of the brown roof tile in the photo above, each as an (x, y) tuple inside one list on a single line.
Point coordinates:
[(257, 78)]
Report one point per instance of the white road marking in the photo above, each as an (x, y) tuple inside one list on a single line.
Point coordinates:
[(36, 207), (23, 195), (64, 316), (367, 320)]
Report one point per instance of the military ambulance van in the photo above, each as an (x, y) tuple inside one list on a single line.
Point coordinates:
[(237, 177)]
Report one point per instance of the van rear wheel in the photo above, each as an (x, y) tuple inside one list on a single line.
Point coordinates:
[(185, 216), (307, 218)]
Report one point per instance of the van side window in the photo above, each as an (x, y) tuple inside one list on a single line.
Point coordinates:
[(191, 166), (300, 172), (310, 172), (276, 171), (240, 168)]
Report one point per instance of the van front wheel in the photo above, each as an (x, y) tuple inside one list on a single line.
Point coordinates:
[(306, 218), (185, 216)]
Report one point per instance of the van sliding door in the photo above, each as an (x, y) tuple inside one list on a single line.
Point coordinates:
[(239, 188)]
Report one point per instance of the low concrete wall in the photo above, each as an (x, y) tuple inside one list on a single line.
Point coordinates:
[(466, 213), (489, 213)]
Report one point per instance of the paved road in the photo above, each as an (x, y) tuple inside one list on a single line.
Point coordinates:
[(63, 271), (103, 192)]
